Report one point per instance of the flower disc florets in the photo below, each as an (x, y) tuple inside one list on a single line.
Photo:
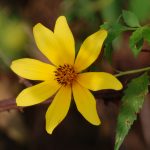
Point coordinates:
[(65, 74)]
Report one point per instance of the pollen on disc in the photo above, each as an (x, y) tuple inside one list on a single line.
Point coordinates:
[(65, 74)]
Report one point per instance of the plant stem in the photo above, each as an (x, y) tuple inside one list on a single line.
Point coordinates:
[(132, 71)]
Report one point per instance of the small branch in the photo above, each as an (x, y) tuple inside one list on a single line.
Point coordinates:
[(8, 104), (132, 71), (145, 50), (25, 82)]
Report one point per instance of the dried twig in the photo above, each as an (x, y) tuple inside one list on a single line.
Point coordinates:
[(145, 50), (25, 82), (8, 104)]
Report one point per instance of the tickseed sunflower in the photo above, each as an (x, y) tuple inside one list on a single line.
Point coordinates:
[(65, 76)]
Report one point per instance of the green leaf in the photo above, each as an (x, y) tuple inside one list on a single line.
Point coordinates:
[(132, 101), (130, 19), (146, 34), (113, 32), (136, 41), (106, 26)]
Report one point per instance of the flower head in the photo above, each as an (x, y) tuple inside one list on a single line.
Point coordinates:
[(64, 76)]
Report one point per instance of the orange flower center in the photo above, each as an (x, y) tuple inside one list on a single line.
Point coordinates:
[(65, 74)]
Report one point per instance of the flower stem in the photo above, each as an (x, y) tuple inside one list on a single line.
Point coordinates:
[(132, 71)]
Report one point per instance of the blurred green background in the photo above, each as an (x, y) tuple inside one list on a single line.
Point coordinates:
[(26, 130)]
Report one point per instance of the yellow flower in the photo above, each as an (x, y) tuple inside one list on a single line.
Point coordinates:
[(64, 77)]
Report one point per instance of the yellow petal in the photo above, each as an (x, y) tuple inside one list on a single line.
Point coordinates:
[(85, 103), (90, 49), (33, 69), (65, 38), (37, 94), (49, 45), (57, 111), (98, 81)]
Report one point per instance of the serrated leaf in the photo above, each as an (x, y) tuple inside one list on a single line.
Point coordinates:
[(132, 101), (136, 41), (114, 31), (146, 34), (130, 19)]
